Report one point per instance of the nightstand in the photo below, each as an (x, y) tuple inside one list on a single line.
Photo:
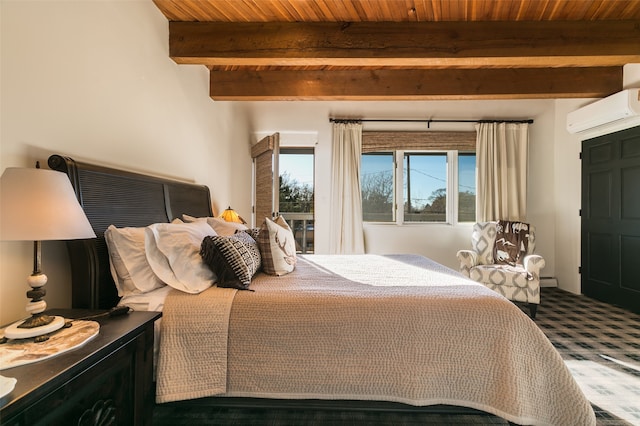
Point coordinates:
[(110, 376)]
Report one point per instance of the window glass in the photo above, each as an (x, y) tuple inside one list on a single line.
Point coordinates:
[(425, 187), (296, 180), (377, 187), (466, 187), (296, 195)]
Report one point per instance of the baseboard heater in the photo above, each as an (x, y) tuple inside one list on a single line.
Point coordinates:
[(548, 282)]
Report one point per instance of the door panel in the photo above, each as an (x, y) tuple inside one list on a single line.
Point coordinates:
[(600, 189), (629, 251), (630, 147), (600, 153), (600, 249), (611, 218), (630, 196)]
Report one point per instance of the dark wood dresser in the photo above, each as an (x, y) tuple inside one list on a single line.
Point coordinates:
[(109, 380)]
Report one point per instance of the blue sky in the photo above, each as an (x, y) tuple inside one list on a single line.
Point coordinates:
[(299, 167)]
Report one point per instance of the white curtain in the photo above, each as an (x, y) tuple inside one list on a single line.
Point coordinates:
[(501, 153), (346, 199)]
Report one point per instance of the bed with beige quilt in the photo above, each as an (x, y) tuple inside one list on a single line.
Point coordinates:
[(362, 328)]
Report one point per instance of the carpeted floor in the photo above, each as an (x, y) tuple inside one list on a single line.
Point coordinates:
[(599, 342), (601, 345)]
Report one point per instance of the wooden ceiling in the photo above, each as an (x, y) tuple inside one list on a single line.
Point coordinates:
[(406, 49)]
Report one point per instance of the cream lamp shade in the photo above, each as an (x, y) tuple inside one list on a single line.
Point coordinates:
[(38, 205)]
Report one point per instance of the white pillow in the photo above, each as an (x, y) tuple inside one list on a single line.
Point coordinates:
[(221, 226), (129, 267), (173, 251)]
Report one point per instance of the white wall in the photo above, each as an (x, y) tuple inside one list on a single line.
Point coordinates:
[(567, 182), (439, 242), (567, 197), (93, 80), (631, 76)]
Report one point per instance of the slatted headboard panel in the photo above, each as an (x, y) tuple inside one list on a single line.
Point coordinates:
[(111, 196)]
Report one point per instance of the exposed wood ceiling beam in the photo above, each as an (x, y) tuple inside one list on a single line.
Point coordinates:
[(407, 44), (411, 84), (408, 60), (400, 49)]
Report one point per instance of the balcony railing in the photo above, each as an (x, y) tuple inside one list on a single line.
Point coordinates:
[(302, 226)]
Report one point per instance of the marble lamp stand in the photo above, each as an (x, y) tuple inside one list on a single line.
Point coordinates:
[(39, 324)]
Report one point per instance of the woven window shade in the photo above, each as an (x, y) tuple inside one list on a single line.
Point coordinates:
[(437, 141), (262, 152), (264, 145)]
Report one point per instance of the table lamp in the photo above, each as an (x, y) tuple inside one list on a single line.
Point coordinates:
[(38, 205), (230, 215)]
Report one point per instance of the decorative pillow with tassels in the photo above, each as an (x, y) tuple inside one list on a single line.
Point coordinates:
[(277, 247)]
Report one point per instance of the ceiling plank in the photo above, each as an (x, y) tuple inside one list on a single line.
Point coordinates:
[(412, 84), (396, 10), (409, 44)]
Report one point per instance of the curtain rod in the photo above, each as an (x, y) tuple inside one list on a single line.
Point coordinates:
[(426, 120)]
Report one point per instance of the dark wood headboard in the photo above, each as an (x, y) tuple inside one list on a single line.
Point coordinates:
[(111, 196)]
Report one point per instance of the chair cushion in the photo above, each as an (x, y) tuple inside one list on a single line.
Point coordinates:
[(509, 281), (500, 275)]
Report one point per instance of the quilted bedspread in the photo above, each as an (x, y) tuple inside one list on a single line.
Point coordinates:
[(366, 327)]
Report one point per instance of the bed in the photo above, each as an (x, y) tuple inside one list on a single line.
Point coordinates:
[(384, 332)]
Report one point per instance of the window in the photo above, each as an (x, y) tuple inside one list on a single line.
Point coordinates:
[(466, 187), (418, 177), (377, 183), (292, 193), (296, 180), (296, 194), (425, 187)]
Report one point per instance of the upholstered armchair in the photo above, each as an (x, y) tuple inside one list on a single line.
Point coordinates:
[(519, 283)]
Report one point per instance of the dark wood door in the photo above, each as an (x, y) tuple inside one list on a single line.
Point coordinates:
[(611, 218)]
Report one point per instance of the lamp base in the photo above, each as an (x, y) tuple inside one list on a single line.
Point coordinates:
[(14, 331), (37, 320)]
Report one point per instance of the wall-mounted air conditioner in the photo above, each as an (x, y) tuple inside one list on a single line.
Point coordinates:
[(620, 106)]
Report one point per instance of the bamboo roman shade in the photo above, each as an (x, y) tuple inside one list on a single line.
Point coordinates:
[(432, 141), (263, 154)]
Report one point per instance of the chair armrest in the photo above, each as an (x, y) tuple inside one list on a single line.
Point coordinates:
[(468, 259), (533, 263)]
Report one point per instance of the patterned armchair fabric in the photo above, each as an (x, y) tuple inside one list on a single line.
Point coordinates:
[(518, 283)]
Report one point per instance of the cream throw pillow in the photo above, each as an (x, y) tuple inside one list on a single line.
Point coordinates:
[(277, 247)]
